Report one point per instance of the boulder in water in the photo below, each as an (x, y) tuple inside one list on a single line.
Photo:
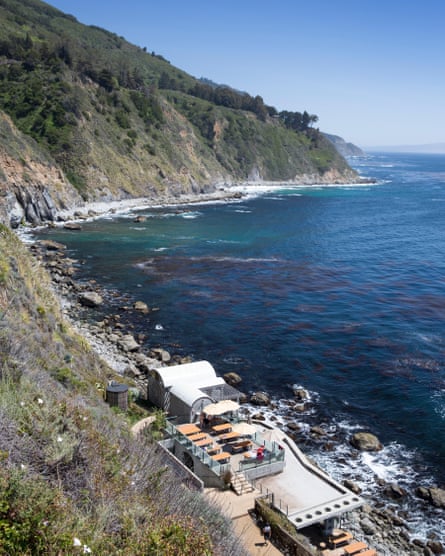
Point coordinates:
[(260, 398), (232, 378), (366, 442), (73, 226), (90, 299), (141, 306)]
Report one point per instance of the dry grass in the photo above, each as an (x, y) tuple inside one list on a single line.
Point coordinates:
[(70, 467)]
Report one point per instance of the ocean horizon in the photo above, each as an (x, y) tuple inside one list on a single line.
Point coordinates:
[(336, 289)]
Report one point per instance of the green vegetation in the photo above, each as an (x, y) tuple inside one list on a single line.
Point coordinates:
[(72, 478), (109, 112)]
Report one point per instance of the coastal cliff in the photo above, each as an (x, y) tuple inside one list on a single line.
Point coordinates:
[(86, 116)]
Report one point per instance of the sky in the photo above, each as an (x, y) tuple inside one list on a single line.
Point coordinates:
[(371, 70)]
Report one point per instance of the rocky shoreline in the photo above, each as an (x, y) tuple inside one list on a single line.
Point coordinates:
[(105, 319)]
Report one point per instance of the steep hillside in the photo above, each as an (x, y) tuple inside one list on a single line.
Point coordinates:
[(344, 148), (71, 474), (102, 119)]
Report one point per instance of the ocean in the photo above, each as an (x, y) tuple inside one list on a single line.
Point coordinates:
[(337, 289)]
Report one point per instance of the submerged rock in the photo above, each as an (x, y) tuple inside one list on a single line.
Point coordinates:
[(74, 226), (51, 245)]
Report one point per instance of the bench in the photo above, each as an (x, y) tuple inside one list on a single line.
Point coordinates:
[(355, 548), (241, 446), (340, 539)]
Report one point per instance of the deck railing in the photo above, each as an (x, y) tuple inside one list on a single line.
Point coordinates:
[(218, 468)]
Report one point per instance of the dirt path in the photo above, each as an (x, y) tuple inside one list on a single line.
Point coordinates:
[(140, 425)]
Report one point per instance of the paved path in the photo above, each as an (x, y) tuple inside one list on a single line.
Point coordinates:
[(140, 425), (237, 507)]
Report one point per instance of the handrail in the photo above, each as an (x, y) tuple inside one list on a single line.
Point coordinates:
[(218, 468)]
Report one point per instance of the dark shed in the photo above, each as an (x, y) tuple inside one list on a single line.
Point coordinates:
[(117, 395)]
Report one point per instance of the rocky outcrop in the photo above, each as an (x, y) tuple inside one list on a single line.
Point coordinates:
[(344, 148), (260, 398), (233, 379), (365, 441), (434, 495), (32, 188), (90, 299), (141, 306)]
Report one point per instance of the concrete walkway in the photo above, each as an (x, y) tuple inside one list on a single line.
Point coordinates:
[(140, 425), (303, 491), (237, 508)]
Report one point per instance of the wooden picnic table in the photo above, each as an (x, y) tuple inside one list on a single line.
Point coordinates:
[(188, 428), (198, 436), (355, 547), (340, 539), (222, 427), (204, 442), (212, 450), (228, 436), (369, 552), (223, 456)]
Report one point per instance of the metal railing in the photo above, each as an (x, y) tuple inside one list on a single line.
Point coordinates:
[(274, 503), (218, 468)]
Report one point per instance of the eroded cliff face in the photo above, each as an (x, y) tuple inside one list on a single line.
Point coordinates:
[(32, 191), (32, 187)]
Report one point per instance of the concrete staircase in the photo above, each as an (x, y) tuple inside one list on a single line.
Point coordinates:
[(240, 484)]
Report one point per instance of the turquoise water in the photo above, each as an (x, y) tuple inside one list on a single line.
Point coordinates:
[(338, 289)]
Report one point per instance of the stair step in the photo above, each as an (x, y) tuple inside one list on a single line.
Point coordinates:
[(241, 485)]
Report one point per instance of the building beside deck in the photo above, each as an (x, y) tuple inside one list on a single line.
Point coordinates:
[(183, 391), (211, 446)]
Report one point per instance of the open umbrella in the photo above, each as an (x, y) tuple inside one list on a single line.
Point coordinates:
[(221, 407), (244, 428)]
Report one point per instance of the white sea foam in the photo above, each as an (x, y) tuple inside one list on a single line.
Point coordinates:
[(190, 215), (438, 399), (394, 464)]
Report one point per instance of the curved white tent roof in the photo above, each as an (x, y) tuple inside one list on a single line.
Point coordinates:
[(188, 393), (198, 373)]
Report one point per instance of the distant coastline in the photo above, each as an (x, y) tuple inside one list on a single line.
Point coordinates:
[(429, 148)]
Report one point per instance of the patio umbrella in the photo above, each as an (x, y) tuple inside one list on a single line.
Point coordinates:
[(220, 407), (244, 428)]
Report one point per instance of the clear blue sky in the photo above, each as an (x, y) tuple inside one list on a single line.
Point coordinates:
[(373, 71)]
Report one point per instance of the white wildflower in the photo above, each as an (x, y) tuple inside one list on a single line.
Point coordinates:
[(76, 542), (22, 404), (86, 549), (39, 401), (59, 439)]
